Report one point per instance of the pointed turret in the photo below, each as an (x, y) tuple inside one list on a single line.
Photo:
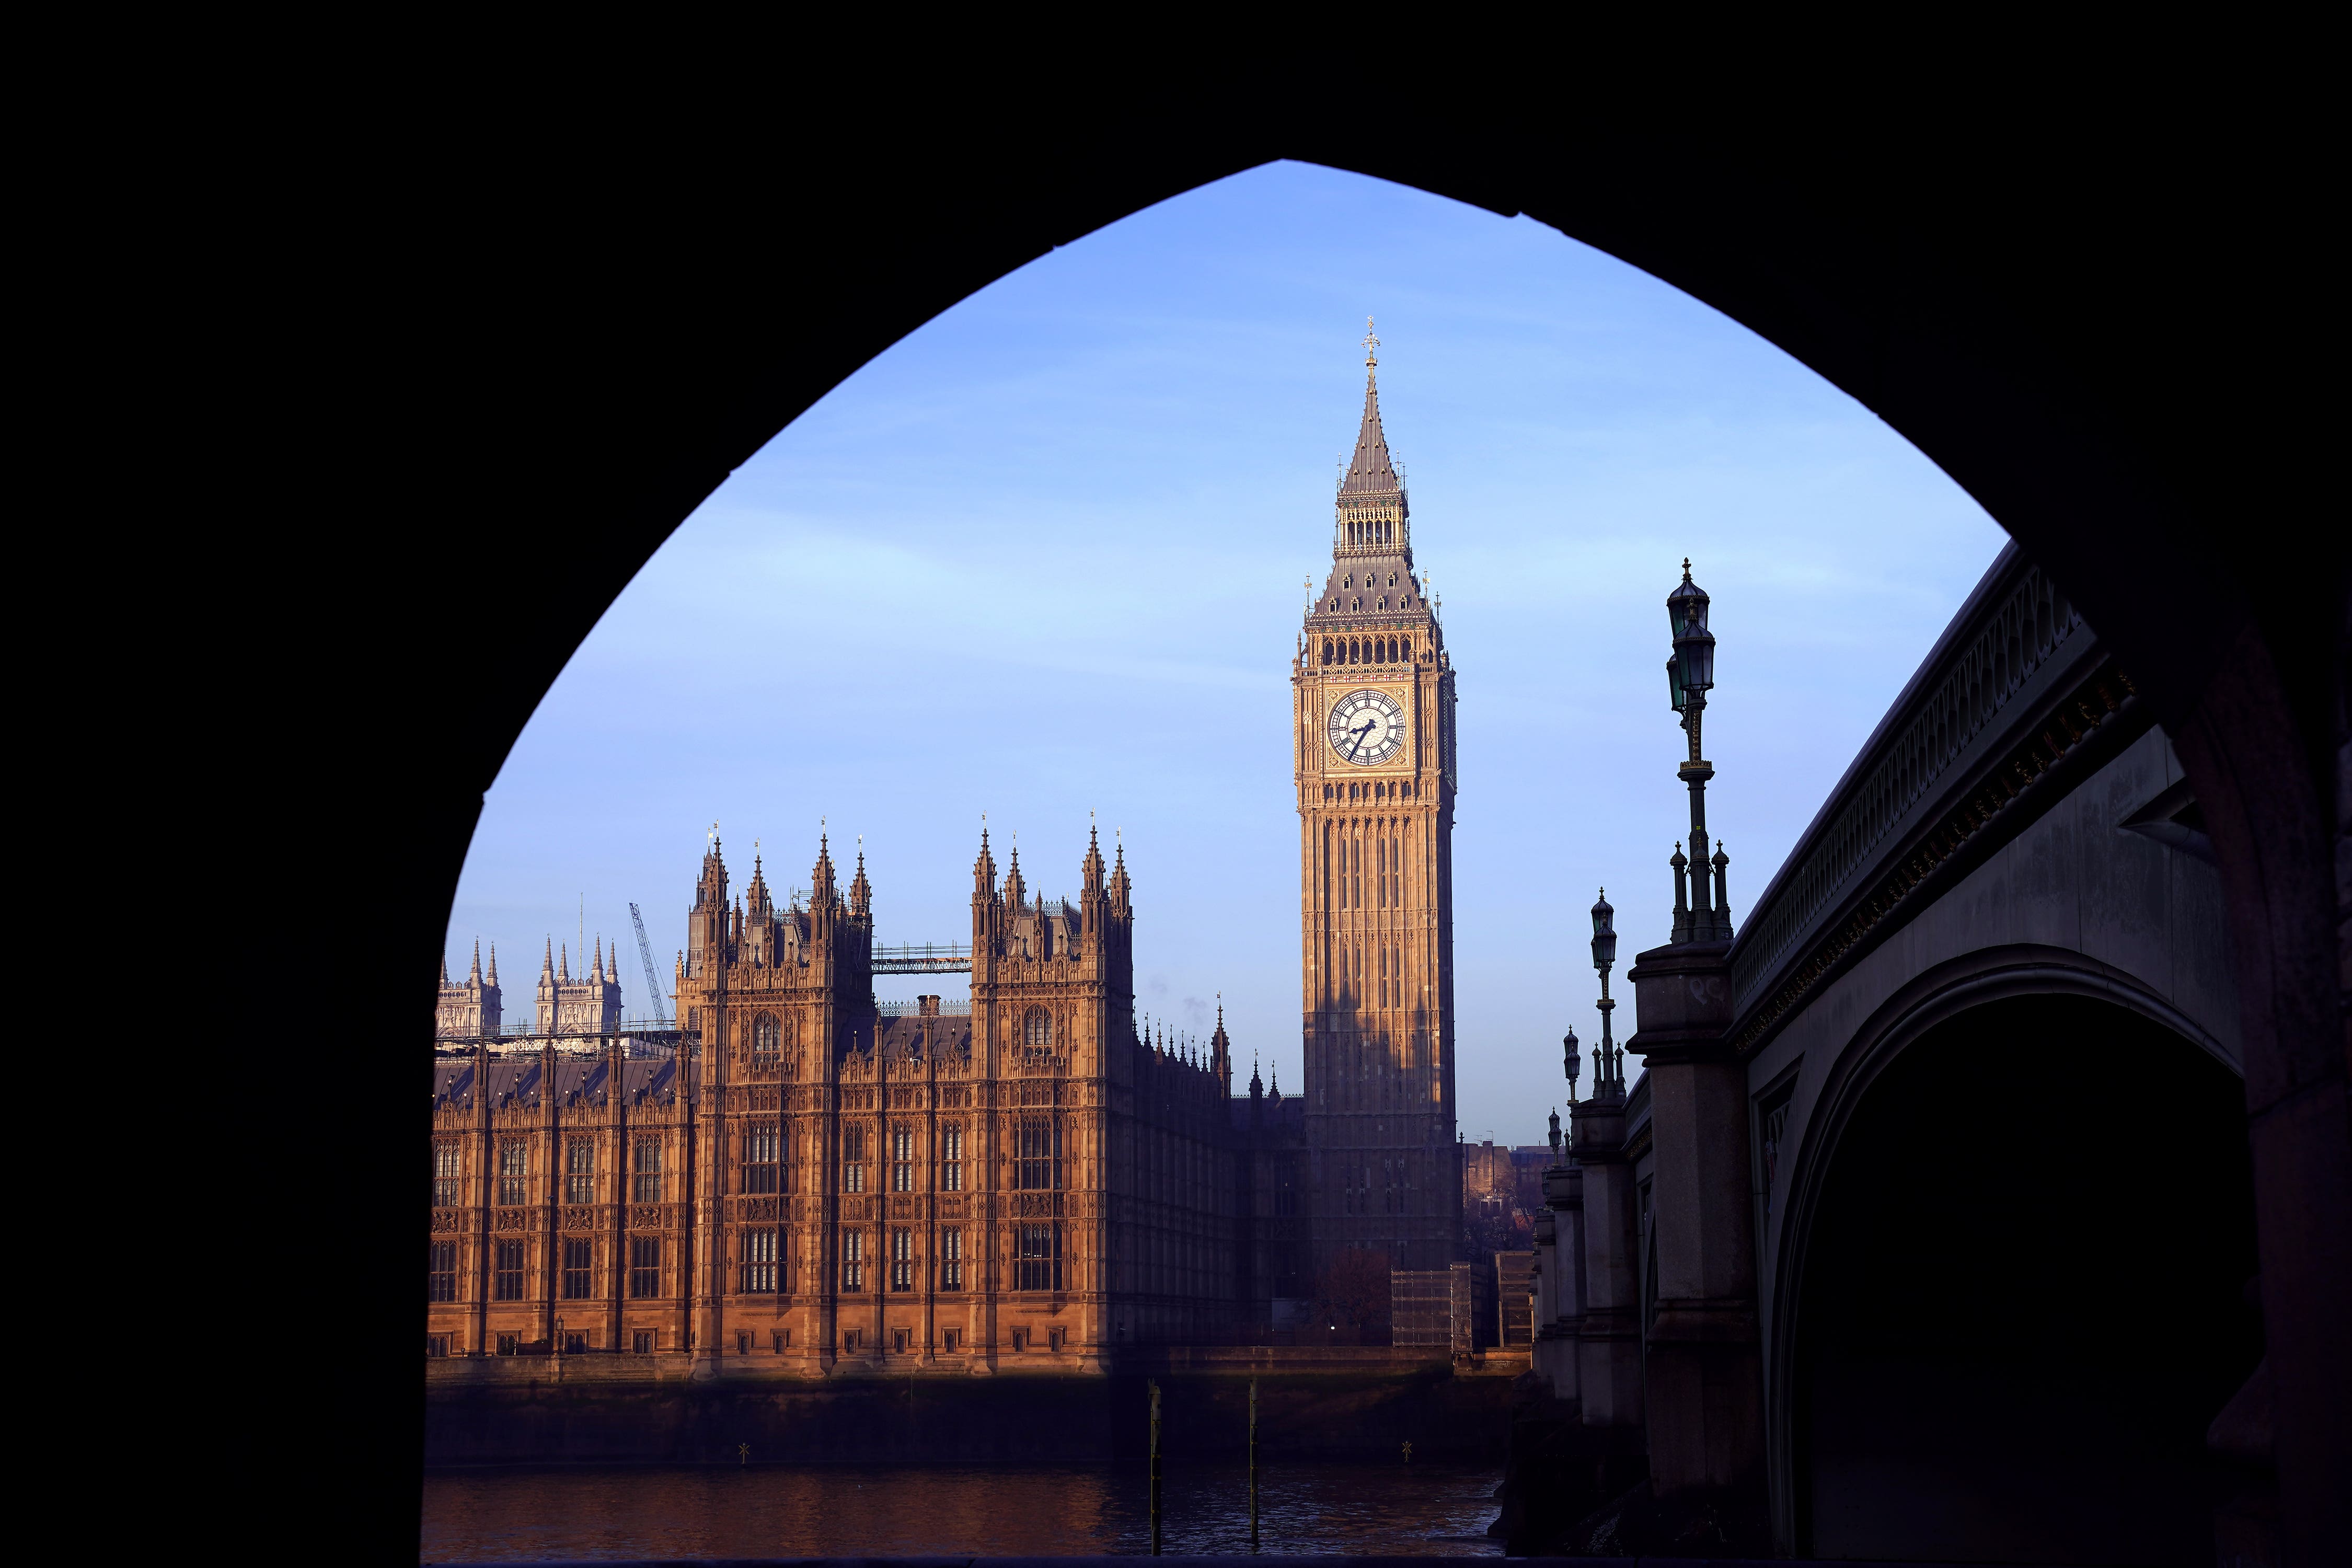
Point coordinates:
[(1221, 1052), (1119, 891), (758, 899), (822, 892), (1090, 870), (494, 964), (861, 891), (474, 977), (1014, 888), (983, 870), (547, 964), (563, 964), (1373, 514), (445, 969)]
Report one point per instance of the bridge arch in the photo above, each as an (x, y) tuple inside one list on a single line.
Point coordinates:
[(2014, 1275)]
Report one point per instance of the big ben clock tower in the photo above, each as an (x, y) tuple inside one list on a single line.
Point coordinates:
[(1372, 740)]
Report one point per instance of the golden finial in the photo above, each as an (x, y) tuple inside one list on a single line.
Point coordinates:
[(1686, 568), (1371, 345)]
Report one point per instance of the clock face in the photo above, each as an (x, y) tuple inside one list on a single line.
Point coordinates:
[(1367, 727)]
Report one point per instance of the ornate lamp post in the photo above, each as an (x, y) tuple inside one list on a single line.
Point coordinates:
[(1570, 1062), (1690, 675), (1607, 1072)]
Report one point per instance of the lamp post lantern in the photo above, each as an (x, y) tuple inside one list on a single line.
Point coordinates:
[(1569, 1063), (1690, 676), (1607, 1072)]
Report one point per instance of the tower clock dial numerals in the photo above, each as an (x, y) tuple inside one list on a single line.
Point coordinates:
[(1367, 727)]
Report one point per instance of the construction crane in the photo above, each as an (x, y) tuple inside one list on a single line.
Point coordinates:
[(652, 978)]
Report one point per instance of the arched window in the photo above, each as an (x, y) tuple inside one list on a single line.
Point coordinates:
[(766, 1035), (1037, 1029), (1037, 1153), (1327, 651)]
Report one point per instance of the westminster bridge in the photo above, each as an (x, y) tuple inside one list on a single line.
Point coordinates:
[(1929, 1231)]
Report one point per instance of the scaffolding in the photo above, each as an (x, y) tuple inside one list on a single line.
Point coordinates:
[(922, 958)]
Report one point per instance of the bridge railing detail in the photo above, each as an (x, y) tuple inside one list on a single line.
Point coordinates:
[(2011, 629)]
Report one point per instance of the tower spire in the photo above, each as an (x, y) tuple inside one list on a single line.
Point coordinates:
[(1369, 470)]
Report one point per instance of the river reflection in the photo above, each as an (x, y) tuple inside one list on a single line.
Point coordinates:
[(1421, 1510)]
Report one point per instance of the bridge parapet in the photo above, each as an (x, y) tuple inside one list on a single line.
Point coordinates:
[(1993, 705)]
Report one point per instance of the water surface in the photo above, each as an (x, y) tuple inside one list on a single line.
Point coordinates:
[(1420, 1509)]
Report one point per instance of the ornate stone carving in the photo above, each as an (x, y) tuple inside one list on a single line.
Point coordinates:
[(511, 1219), (445, 1219), (755, 1209), (580, 1216)]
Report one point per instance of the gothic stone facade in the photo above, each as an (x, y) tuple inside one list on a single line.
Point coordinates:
[(809, 1184)]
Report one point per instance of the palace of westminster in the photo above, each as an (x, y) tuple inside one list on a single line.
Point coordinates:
[(801, 1176)]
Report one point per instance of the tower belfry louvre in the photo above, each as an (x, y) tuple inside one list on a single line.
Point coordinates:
[(1372, 743)]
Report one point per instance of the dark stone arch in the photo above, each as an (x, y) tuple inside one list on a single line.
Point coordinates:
[(2013, 1297), (2031, 333)]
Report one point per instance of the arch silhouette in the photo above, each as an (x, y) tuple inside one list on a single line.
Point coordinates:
[(2059, 345)]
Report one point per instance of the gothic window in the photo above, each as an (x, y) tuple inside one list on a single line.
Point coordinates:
[(853, 1260), (436, 1347), (648, 1188), (441, 1272), (951, 1259), (641, 1342), (1327, 651), (514, 1172), (580, 1170), (763, 1147), (645, 1266), (853, 1159), (902, 1159), (952, 1159), (902, 1258), (510, 1271), (758, 1253), (1037, 1153), (445, 1173), (1038, 1263), (579, 1268), (766, 1040), (1037, 1029)]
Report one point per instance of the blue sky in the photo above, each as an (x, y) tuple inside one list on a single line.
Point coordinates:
[(1044, 556)]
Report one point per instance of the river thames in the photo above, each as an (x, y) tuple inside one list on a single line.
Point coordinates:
[(1421, 1509)]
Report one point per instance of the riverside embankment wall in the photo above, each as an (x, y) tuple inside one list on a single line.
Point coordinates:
[(528, 1412)]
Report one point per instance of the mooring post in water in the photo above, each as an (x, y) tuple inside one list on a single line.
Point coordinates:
[(1155, 1469), (1253, 1467)]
